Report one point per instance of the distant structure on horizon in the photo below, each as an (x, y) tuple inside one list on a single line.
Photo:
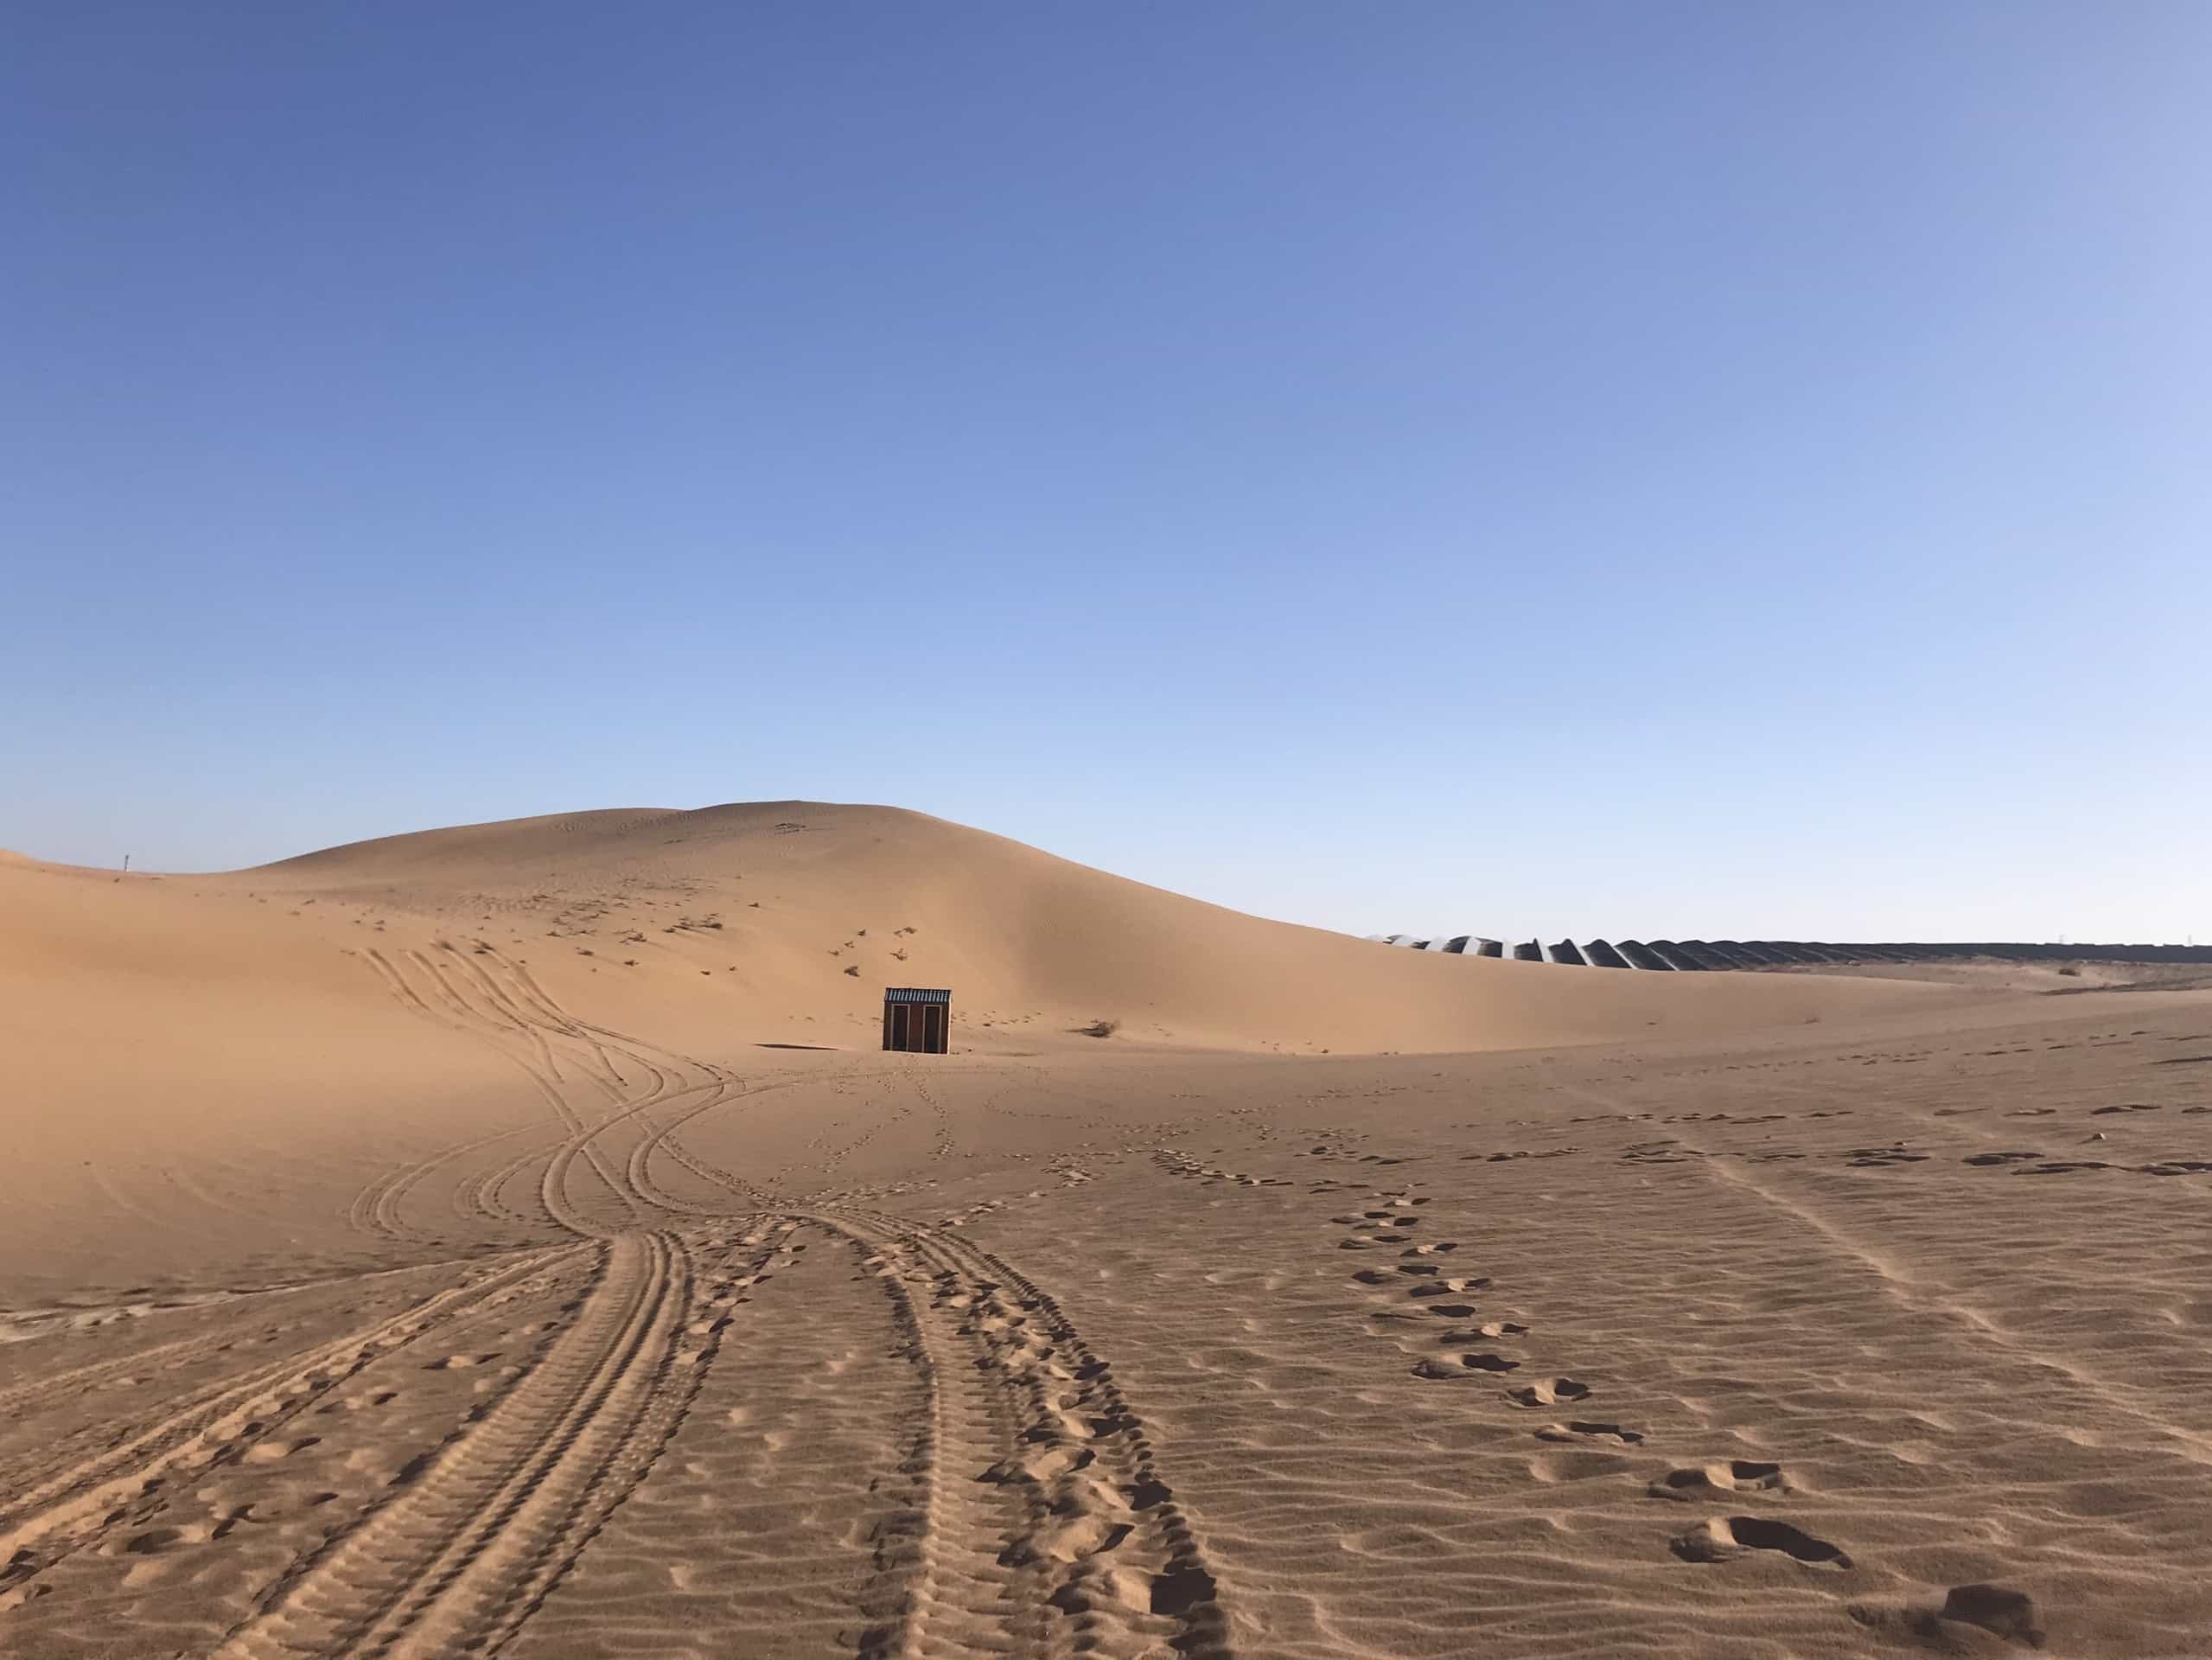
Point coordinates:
[(1695, 955)]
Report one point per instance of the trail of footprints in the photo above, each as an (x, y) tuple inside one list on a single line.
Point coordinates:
[(1425, 1274), (1895, 1154), (1900, 1153)]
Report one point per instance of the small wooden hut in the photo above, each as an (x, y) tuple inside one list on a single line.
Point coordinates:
[(917, 1019)]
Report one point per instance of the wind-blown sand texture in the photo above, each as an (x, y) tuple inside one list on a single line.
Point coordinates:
[(510, 1240)]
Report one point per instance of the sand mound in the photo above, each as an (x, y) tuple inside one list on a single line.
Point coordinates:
[(779, 901)]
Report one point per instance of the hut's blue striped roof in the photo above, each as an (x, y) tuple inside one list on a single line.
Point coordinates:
[(916, 994)]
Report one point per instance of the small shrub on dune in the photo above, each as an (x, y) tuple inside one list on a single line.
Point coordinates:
[(1100, 1028)]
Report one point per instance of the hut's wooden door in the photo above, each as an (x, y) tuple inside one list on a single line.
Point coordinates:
[(917, 1028)]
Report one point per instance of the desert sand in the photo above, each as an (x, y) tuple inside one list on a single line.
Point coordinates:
[(512, 1240)]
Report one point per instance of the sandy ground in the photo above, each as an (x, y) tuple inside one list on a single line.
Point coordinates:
[(1998, 974), (510, 1240)]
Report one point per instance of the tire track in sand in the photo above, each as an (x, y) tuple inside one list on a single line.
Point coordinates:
[(460, 1557), (464, 997), (376, 1209), (1045, 1524), (82, 1502)]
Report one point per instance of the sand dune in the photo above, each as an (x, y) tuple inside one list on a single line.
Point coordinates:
[(804, 893), (508, 1239)]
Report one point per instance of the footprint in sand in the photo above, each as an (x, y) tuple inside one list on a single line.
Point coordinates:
[(1873, 1157), (1069, 1541), (1549, 1392), (1583, 1429), (459, 1362), (270, 1452), (1724, 1536), (154, 1542), (1996, 1608), (1585, 1462), (361, 1399), (257, 1500), (1728, 1476), (1482, 1360), (1464, 1366), (1049, 1464)]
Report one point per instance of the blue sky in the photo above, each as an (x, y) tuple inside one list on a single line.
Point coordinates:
[(1649, 468)]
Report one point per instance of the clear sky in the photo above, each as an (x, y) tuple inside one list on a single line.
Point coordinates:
[(1663, 469)]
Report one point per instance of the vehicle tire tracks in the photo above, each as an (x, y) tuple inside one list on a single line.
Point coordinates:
[(459, 1557), (1047, 1525), (86, 1500)]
